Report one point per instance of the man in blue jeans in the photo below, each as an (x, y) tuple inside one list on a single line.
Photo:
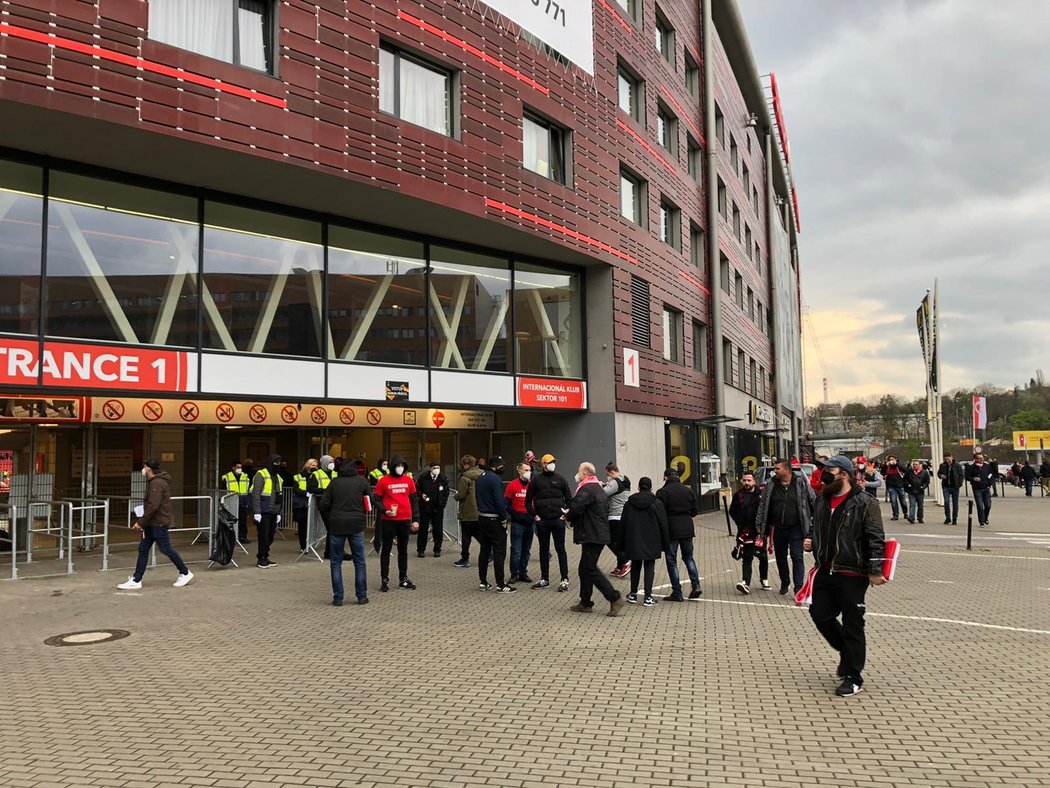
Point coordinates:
[(951, 475), (894, 476), (344, 502), (785, 514), (680, 505), (154, 523), (982, 479)]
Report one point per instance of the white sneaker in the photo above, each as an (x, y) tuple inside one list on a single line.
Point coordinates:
[(183, 580), (766, 586), (743, 588), (131, 585)]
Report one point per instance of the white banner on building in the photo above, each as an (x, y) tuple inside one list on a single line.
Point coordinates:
[(564, 25)]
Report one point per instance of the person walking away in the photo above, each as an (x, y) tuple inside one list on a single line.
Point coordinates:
[(916, 480), (343, 502), (466, 495), (869, 478), (398, 502), (237, 481), (744, 511), (618, 488), (1028, 477), (267, 493), (680, 505), (847, 540), (154, 523), (894, 477), (522, 526), (546, 501), (982, 481), (433, 492), (301, 500), (784, 515), (951, 475), (492, 526), (589, 517), (994, 465), (318, 482), (645, 537), (382, 469), (1044, 475)]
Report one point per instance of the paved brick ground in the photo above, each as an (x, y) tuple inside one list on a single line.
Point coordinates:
[(250, 678)]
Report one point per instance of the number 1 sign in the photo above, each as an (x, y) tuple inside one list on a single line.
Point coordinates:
[(631, 372)]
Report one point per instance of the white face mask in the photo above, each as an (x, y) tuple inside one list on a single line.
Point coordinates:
[(331, 466), (434, 472), (577, 478), (526, 475), (145, 472), (236, 471), (550, 466), (399, 469)]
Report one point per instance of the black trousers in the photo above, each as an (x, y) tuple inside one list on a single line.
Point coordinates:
[(243, 511), (837, 595), (426, 521), (467, 531), (493, 538), (392, 529), (615, 531), (299, 515), (636, 571), (751, 552), (266, 527), (592, 577), (545, 530)]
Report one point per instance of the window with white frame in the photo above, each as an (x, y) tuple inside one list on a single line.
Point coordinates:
[(632, 197)]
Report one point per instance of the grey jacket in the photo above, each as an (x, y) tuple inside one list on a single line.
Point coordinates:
[(806, 498), (618, 490)]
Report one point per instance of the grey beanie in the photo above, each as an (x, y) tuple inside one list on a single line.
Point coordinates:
[(326, 459)]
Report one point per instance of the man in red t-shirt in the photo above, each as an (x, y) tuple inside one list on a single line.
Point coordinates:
[(521, 525), (398, 504)]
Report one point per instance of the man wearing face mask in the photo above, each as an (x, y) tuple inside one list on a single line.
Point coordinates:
[(301, 499), (894, 476), (492, 526), (266, 503), (433, 497), (398, 504), (237, 481), (521, 524), (546, 500), (784, 516), (382, 469), (154, 524), (869, 478), (847, 540), (589, 515), (317, 483), (618, 488)]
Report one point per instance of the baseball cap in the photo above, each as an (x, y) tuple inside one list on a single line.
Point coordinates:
[(838, 461), (153, 465), (529, 455), (548, 458), (862, 460), (495, 461)]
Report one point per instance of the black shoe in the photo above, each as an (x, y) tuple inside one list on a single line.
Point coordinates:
[(784, 589), (524, 579), (848, 688), (895, 518), (437, 554), (271, 563), (921, 521), (462, 563), (674, 598), (385, 587), (695, 593), (407, 584), (541, 584), (954, 522), (421, 555), (363, 601), (512, 579), (947, 522), (264, 564), (337, 603)]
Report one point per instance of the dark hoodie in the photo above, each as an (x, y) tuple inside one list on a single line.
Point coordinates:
[(645, 535), (400, 490), (262, 502), (343, 501), (156, 505)]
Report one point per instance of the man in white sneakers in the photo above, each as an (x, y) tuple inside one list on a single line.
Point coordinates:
[(154, 524)]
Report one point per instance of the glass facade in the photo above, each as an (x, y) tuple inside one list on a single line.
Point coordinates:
[(144, 266)]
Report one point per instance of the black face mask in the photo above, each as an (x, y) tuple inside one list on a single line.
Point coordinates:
[(827, 477)]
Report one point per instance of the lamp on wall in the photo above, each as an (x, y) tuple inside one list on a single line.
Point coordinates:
[(752, 121)]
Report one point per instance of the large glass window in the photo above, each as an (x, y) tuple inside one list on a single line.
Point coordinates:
[(469, 311), (262, 273), (667, 130), (376, 298), (415, 90), (121, 263), (237, 31), (548, 338), (699, 347), (631, 94), (632, 198), (664, 35), (674, 342), (545, 147), (21, 215)]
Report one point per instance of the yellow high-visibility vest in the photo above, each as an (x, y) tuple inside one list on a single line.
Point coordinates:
[(235, 483), (267, 489), (300, 481), (323, 479)]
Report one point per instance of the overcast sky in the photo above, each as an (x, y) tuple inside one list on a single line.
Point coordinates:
[(920, 140)]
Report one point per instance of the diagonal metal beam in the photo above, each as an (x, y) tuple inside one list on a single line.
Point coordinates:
[(449, 349), (360, 332), (187, 268), (264, 323), (488, 339), (547, 332)]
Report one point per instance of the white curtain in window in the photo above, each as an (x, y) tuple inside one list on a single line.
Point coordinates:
[(251, 24), (536, 148), (203, 26), (424, 96)]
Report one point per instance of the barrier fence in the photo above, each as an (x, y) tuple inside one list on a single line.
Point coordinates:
[(76, 529), (9, 516)]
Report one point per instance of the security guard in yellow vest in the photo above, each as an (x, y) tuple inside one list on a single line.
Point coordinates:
[(267, 490), (318, 483), (301, 500), (236, 480)]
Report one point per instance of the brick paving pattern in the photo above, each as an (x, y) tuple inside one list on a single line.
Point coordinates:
[(249, 677)]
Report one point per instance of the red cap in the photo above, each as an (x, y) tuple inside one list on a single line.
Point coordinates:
[(862, 460)]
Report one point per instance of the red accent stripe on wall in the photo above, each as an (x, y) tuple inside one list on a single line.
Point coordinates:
[(638, 138), (429, 28), (558, 228), (683, 114), (141, 63), (616, 15), (693, 280)]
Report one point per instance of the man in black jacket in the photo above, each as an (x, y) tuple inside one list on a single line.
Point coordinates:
[(847, 540), (744, 511), (546, 501), (680, 505), (343, 501), (1028, 477), (784, 516), (589, 515), (894, 476), (981, 477), (916, 480), (951, 475), (433, 491)]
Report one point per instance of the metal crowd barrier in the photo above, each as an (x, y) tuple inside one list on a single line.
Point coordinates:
[(9, 513), (66, 533), (197, 529)]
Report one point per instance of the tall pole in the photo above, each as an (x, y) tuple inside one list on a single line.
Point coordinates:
[(938, 495), (713, 249)]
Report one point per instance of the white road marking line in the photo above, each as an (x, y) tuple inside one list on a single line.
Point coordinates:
[(976, 555), (979, 624), (945, 582)]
